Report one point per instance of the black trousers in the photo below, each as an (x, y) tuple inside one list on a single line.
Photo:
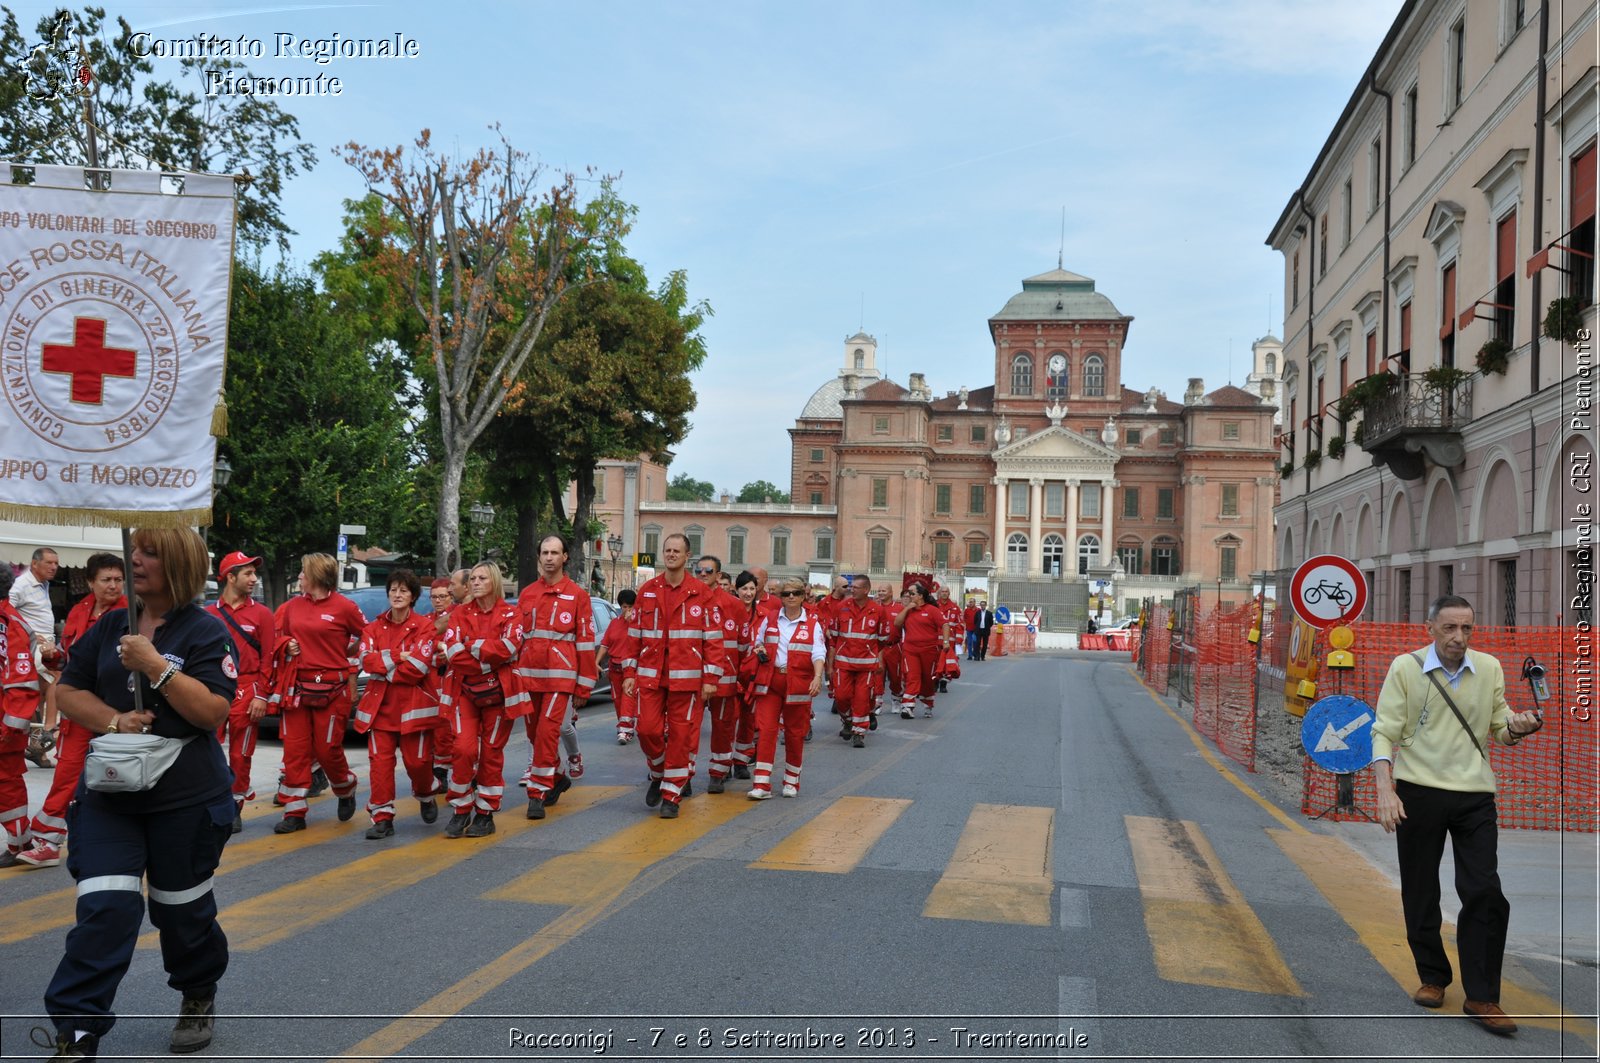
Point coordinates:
[(1468, 819), (983, 643)]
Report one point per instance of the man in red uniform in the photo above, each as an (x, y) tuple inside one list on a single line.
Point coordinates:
[(827, 610), (724, 706), (744, 738), (674, 661), (249, 625), (105, 575), (855, 656), (607, 656), (949, 666), (556, 666), (19, 698)]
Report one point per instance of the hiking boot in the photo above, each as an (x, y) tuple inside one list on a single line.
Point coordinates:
[(715, 786), (319, 782), (457, 825), (669, 810), (559, 787), (859, 741), (482, 825), (535, 808), (197, 1020), (383, 828), (652, 794), (347, 808), (430, 810), (289, 824), (41, 854), (741, 771), (66, 1047)]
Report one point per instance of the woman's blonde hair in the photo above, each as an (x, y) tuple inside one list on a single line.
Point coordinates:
[(793, 583), (322, 571), (183, 556), (497, 580)]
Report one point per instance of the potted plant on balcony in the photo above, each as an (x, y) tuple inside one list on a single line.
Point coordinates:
[(1313, 459), (1562, 320), (1444, 377), (1494, 356), (1286, 469), (1336, 446), (1359, 433)]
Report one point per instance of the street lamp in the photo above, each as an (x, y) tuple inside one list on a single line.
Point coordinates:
[(221, 473), (614, 545), (482, 515)]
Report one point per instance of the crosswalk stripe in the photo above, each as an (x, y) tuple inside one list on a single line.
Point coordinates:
[(295, 907), (590, 880), (839, 837), (57, 909), (1370, 904), (1000, 871), (1200, 927)]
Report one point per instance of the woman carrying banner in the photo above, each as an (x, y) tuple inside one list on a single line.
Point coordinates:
[(315, 634), (481, 643), (789, 650), (170, 834)]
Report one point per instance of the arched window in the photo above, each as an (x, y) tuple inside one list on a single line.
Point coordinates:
[(861, 358), (1088, 553), (1054, 547), (1017, 555), (1272, 364), (1022, 375), (1056, 369), (1094, 376)]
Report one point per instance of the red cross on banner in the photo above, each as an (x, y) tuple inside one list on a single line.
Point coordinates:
[(88, 360)]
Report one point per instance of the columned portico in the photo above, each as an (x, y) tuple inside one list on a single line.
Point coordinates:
[(1035, 526), (1055, 455)]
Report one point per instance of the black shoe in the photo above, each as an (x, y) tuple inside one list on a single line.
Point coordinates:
[(688, 789), (944, 687), (859, 741), (289, 824), (430, 810), (457, 825), (872, 722), (347, 808), (443, 775), (238, 823), (808, 733), (535, 808), (652, 794), (715, 786), (384, 828), (552, 795), (197, 1020), (741, 770), (65, 1045), (482, 825), (846, 731), (319, 782), (669, 810)]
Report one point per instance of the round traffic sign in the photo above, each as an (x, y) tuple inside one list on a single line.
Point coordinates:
[(1327, 590), (1337, 733), (1002, 615)]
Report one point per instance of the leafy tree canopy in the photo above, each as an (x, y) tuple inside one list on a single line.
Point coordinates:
[(685, 488), (762, 491)]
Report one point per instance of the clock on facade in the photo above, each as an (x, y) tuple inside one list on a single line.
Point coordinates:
[(1058, 364)]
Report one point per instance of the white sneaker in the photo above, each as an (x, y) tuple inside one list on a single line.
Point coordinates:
[(759, 793), (791, 791)]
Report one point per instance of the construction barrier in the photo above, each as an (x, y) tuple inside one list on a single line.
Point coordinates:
[(1024, 640), (997, 641), (1550, 782)]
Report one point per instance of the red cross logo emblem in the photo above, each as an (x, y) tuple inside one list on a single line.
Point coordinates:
[(88, 360)]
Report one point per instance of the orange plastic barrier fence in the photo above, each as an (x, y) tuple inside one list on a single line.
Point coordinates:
[(997, 640), (1087, 641), (1224, 683), (1157, 649)]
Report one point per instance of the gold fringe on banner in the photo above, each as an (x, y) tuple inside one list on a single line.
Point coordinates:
[(219, 418), (106, 518)]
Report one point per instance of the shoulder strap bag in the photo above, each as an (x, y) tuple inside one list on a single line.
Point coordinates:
[(1448, 700)]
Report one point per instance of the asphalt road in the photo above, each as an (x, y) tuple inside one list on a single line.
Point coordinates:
[(1052, 867)]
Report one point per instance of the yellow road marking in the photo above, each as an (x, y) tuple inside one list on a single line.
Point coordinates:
[(1201, 929), (1370, 904), (1000, 871), (293, 908), (591, 879), (58, 908), (838, 839), (1211, 758)]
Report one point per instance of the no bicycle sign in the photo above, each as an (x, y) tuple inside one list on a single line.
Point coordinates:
[(1328, 590)]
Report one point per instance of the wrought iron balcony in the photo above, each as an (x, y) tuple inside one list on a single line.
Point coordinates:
[(1416, 418)]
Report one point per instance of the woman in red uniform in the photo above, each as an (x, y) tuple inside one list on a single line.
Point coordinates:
[(315, 633), (399, 710), (789, 650), (481, 641), (925, 637)]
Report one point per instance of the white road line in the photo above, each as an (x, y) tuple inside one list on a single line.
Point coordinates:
[(1074, 908), (1077, 1019)]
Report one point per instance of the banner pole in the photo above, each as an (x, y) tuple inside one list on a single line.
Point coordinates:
[(133, 612)]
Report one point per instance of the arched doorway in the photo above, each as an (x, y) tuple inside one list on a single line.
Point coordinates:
[(1017, 554)]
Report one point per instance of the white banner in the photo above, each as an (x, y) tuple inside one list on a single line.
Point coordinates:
[(113, 338)]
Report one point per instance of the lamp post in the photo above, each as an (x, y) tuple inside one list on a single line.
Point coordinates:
[(221, 473), (482, 515), (614, 545)]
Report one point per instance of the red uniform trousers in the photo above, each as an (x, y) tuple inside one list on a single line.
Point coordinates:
[(919, 663), (478, 768), (744, 735), (854, 691), (725, 713), (893, 667), (72, 745), (14, 790), (318, 734), (627, 707), (416, 751), (669, 736), (550, 710), (238, 736), (444, 742), (794, 715)]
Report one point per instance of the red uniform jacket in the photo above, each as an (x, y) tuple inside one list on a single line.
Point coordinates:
[(323, 629), (734, 620), (557, 654), (255, 667), (675, 642), (795, 682), (857, 636), (922, 628), (479, 641), (399, 660), (616, 633), (19, 682)]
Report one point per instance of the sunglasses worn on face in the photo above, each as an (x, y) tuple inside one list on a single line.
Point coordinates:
[(705, 572), (791, 594)]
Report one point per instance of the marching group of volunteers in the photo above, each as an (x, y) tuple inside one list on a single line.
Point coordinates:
[(443, 692)]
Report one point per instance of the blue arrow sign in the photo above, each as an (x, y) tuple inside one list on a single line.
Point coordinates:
[(1337, 733), (1002, 615)]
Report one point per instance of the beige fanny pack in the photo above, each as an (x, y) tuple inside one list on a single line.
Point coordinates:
[(120, 764)]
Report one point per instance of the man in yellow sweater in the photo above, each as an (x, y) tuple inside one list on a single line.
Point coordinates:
[(1437, 711)]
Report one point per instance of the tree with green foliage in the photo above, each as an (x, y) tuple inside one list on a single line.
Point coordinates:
[(762, 491), (685, 488), (140, 122), (317, 436)]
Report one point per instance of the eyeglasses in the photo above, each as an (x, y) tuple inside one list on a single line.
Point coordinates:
[(705, 572), (791, 594)]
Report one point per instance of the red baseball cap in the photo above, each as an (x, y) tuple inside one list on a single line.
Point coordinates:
[(235, 560)]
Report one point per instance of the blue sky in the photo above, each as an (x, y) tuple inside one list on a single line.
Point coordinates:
[(819, 167)]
